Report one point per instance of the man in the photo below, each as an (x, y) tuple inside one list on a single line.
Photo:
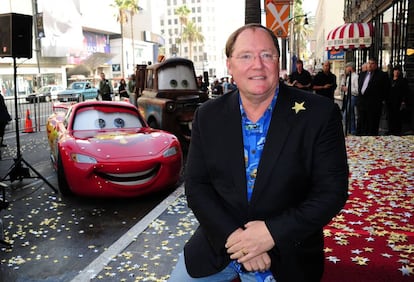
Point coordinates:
[(266, 170), (217, 88), (374, 87), (131, 86), (105, 88), (350, 105), (324, 82), (300, 78), (5, 118)]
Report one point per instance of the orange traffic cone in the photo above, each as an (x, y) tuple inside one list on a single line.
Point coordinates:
[(29, 125)]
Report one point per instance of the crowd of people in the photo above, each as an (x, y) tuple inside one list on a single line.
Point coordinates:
[(126, 90), (218, 86), (370, 97)]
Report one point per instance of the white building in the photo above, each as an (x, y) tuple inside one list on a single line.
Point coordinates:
[(80, 39), (215, 20), (329, 15)]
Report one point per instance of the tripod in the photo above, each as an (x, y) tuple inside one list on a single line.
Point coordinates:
[(17, 170)]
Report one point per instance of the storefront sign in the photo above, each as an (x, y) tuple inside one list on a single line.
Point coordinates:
[(336, 55)]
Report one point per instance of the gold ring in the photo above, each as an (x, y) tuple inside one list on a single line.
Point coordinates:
[(244, 252)]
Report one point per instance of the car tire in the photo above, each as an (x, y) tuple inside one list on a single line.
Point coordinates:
[(62, 182)]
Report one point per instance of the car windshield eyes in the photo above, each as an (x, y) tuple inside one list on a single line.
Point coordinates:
[(119, 123), (184, 83), (173, 83), (100, 123)]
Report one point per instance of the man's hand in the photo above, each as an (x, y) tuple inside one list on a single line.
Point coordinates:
[(259, 263), (253, 241)]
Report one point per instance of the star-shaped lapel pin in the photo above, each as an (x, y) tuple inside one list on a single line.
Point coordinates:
[(299, 107)]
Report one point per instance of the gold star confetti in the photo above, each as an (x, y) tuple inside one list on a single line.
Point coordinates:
[(371, 231)]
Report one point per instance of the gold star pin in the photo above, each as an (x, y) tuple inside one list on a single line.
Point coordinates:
[(299, 107)]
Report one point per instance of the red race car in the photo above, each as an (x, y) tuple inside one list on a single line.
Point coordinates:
[(106, 149)]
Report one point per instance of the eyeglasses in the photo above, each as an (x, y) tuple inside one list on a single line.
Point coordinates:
[(248, 58)]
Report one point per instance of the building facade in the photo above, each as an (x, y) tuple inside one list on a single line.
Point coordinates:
[(214, 19), (392, 31), (78, 40)]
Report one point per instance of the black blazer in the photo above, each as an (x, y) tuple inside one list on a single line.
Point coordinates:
[(301, 184), (377, 90)]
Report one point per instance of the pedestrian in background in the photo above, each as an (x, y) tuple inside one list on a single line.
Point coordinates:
[(231, 86), (217, 88), (5, 118), (324, 83), (132, 89), (350, 87), (203, 86), (396, 101), (374, 87), (266, 170), (105, 88), (122, 89), (300, 78)]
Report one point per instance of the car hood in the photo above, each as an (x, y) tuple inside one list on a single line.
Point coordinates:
[(121, 144)]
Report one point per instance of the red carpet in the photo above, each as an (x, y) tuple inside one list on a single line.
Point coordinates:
[(372, 239)]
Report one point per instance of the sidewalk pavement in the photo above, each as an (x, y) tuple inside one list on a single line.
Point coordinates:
[(150, 249)]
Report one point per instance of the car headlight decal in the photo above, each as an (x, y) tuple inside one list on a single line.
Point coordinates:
[(79, 158), (170, 152)]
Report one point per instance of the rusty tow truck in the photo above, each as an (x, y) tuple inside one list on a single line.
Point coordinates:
[(168, 96)]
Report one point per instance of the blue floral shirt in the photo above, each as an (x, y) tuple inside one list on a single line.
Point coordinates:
[(254, 138)]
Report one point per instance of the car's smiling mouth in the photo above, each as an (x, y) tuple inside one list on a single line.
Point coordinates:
[(130, 179)]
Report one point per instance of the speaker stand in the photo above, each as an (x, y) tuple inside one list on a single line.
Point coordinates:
[(17, 170)]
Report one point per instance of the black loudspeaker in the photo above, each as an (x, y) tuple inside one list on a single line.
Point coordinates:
[(16, 35)]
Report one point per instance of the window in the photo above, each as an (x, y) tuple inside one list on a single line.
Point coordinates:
[(150, 79)]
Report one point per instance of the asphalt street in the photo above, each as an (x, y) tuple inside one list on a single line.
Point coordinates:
[(76, 239)]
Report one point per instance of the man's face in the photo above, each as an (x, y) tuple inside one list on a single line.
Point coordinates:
[(254, 63), (326, 67), (372, 65)]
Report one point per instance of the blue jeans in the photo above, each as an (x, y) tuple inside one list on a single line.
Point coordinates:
[(180, 274)]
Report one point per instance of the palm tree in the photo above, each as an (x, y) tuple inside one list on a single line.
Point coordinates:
[(300, 30), (252, 12), (182, 12), (132, 6), (191, 34), (123, 7)]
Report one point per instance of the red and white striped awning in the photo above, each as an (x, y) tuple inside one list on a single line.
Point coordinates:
[(350, 36)]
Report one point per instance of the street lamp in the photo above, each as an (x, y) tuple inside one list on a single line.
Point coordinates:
[(306, 22)]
